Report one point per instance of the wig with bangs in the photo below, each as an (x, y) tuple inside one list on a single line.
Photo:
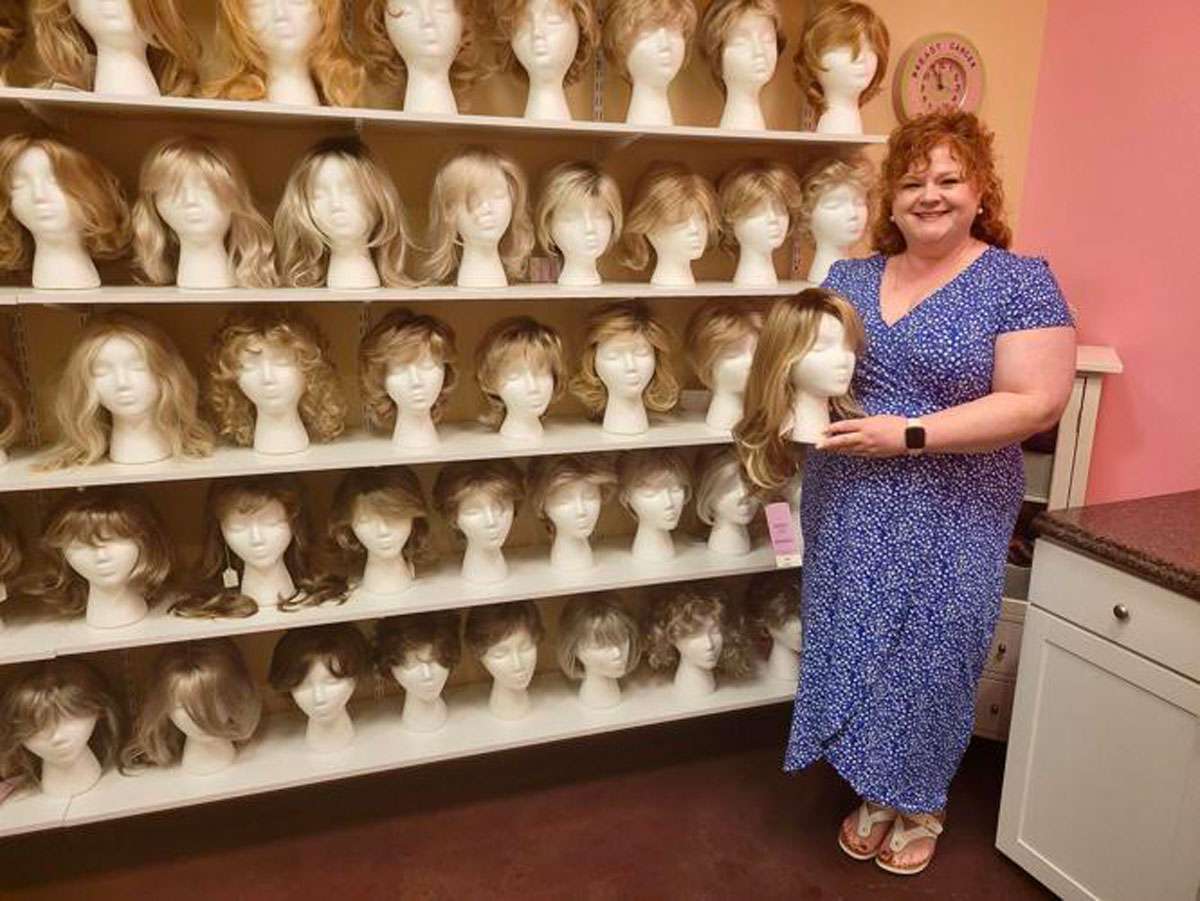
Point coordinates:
[(824, 175), (304, 250), (95, 195), (788, 334), (839, 23), (651, 469), (399, 636), (66, 49), (385, 60), (667, 195), (720, 472), (84, 426), (499, 480), (13, 26), (322, 405), (517, 339), (714, 330), (971, 144), (12, 408), (455, 189), (677, 613), (391, 492), (594, 621), (50, 692), (547, 474), (398, 338), (624, 319), (335, 69), (576, 182), (506, 18), (745, 188), (772, 598), (627, 20), (249, 242), (340, 646), (490, 624), (209, 680), (720, 17)]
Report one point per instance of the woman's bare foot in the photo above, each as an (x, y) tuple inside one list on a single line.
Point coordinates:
[(868, 846)]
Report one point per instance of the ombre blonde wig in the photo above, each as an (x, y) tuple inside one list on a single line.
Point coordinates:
[(595, 621), (334, 66), (65, 48), (492, 623), (839, 23), (517, 339), (668, 194), (209, 680), (626, 20), (788, 334), (746, 187), (506, 19), (823, 176), (622, 320), (322, 405), (455, 188), (651, 469), (95, 195), (398, 338), (718, 473), (12, 406), (398, 636), (722, 15), (576, 182), (391, 492), (385, 61), (714, 330), (547, 474), (676, 613), (249, 242), (304, 249), (500, 480), (84, 425), (340, 646)]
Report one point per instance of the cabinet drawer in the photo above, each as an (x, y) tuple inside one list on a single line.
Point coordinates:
[(1005, 650), (993, 708), (1149, 620)]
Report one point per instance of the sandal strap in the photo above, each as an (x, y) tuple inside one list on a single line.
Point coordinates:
[(867, 819), (927, 826)]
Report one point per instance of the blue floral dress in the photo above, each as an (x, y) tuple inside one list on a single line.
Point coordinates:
[(904, 557)]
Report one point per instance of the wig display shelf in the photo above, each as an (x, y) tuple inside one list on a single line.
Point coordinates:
[(27, 636), (278, 757), (459, 441), (57, 107), (8, 296), (27, 811)]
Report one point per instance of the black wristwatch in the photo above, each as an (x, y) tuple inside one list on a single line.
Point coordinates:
[(914, 437)]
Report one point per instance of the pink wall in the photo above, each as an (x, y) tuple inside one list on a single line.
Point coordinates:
[(1112, 199)]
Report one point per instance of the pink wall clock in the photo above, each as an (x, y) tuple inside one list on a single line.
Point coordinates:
[(940, 72)]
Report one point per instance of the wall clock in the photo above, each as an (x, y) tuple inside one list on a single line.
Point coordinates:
[(939, 73)]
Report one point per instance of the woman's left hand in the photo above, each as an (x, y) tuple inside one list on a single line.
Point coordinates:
[(873, 436)]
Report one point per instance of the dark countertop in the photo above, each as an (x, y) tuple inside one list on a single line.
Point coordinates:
[(1154, 538)]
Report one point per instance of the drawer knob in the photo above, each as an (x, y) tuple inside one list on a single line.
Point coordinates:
[(1001, 649), (995, 709), (1121, 612)]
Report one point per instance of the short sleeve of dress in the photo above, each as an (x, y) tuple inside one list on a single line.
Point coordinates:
[(1033, 298), (835, 280)]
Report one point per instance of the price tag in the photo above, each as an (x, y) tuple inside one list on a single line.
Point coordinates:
[(229, 577), (785, 535)]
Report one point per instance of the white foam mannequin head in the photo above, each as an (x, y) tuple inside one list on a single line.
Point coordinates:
[(427, 34), (344, 216), (702, 649), (764, 229), (545, 42), (735, 504), (837, 223), (574, 508), (485, 522), (421, 674), (606, 661), (420, 652), (69, 766), (127, 388), (526, 391), (414, 386), (108, 567), (625, 365), (200, 221), (789, 635), (121, 66), (274, 382), (822, 373), (675, 248), (323, 696), (382, 535), (653, 61), (203, 754), (658, 507), (260, 538), (783, 662), (582, 229), (511, 662), (41, 204), (286, 31), (731, 370), (843, 77), (749, 56), (481, 223)]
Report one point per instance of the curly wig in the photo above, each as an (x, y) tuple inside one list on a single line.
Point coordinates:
[(624, 319), (668, 194), (385, 60), (626, 20), (398, 636), (401, 337), (595, 621), (392, 492), (506, 21), (722, 15), (340, 646), (517, 338), (677, 613), (839, 23)]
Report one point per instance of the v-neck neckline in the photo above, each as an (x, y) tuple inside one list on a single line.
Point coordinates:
[(924, 300)]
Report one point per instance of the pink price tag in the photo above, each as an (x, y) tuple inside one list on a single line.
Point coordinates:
[(785, 536)]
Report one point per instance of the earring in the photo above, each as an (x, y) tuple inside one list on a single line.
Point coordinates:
[(979, 212)]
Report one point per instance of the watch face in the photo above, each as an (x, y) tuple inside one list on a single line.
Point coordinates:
[(914, 437), (939, 73)]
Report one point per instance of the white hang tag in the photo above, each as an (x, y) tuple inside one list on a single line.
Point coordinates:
[(229, 577)]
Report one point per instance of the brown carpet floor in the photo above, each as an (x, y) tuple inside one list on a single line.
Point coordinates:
[(691, 810)]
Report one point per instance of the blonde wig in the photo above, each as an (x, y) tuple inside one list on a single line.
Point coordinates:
[(713, 330), (391, 491), (94, 193), (839, 23), (11, 553), (499, 479), (823, 176), (65, 48), (304, 249), (677, 613), (41, 697), (971, 144), (788, 334), (249, 242), (336, 71), (493, 623), (719, 471), (772, 598), (255, 331), (455, 188), (12, 34), (621, 320), (398, 338), (12, 406), (209, 680), (651, 468), (626, 20), (398, 636), (668, 194), (518, 338), (385, 61), (506, 18), (84, 426), (719, 17), (595, 621), (95, 516), (547, 474), (340, 646), (747, 186), (576, 183)]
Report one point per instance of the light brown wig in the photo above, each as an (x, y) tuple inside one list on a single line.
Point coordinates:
[(677, 613), (500, 479), (575, 182), (385, 61), (654, 468), (824, 175), (493, 623), (12, 406), (839, 23), (626, 20), (718, 470), (547, 474), (506, 19), (719, 17), (745, 187), (595, 621), (340, 646), (517, 338), (398, 636), (391, 491), (401, 337), (666, 195), (715, 327), (621, 319)]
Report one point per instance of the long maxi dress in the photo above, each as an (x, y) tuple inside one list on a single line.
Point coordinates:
[(904, 557)]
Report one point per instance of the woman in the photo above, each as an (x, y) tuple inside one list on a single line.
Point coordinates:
[(975, 347)]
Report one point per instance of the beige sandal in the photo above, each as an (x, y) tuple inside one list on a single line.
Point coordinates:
[(927, 826), (866, 822)]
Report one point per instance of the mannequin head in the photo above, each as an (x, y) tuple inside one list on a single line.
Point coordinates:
[(320, 666), (504, 638), (382, 512), (13, 26), (338, 195), (773, 607), (479, 499), (550, 38), (793, 331), (760, 206), (478, 196), (843, 48), (741, 41), (520, 368), (12, 407), (625, 351), (696, 623), (52, 713), (419, 651), (397, 35), (197, 689), (723, 492), (579, 211), (410, 360), (833, 206), (720, 340), (194, 189), (597, 635), (567, 493), (653, 486), (270, 359), (674, 209), (124, 366), (51, 191), (248, 37), (65, 42), (630, 29)]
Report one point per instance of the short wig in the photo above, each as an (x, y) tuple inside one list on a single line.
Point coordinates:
[(517, 338), (595, 621), (651, 468), (506, 19), (391, 491), (744, 188), (719, 17), (824, 175), (398, 636), (548, 474), (839, 23), (626, 20), (400, 337), (493, 623), (384, 59), (668, 194), (714, 328), (676, 613), (576, 182), (620, 320), (500, 479), (340, 646)]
